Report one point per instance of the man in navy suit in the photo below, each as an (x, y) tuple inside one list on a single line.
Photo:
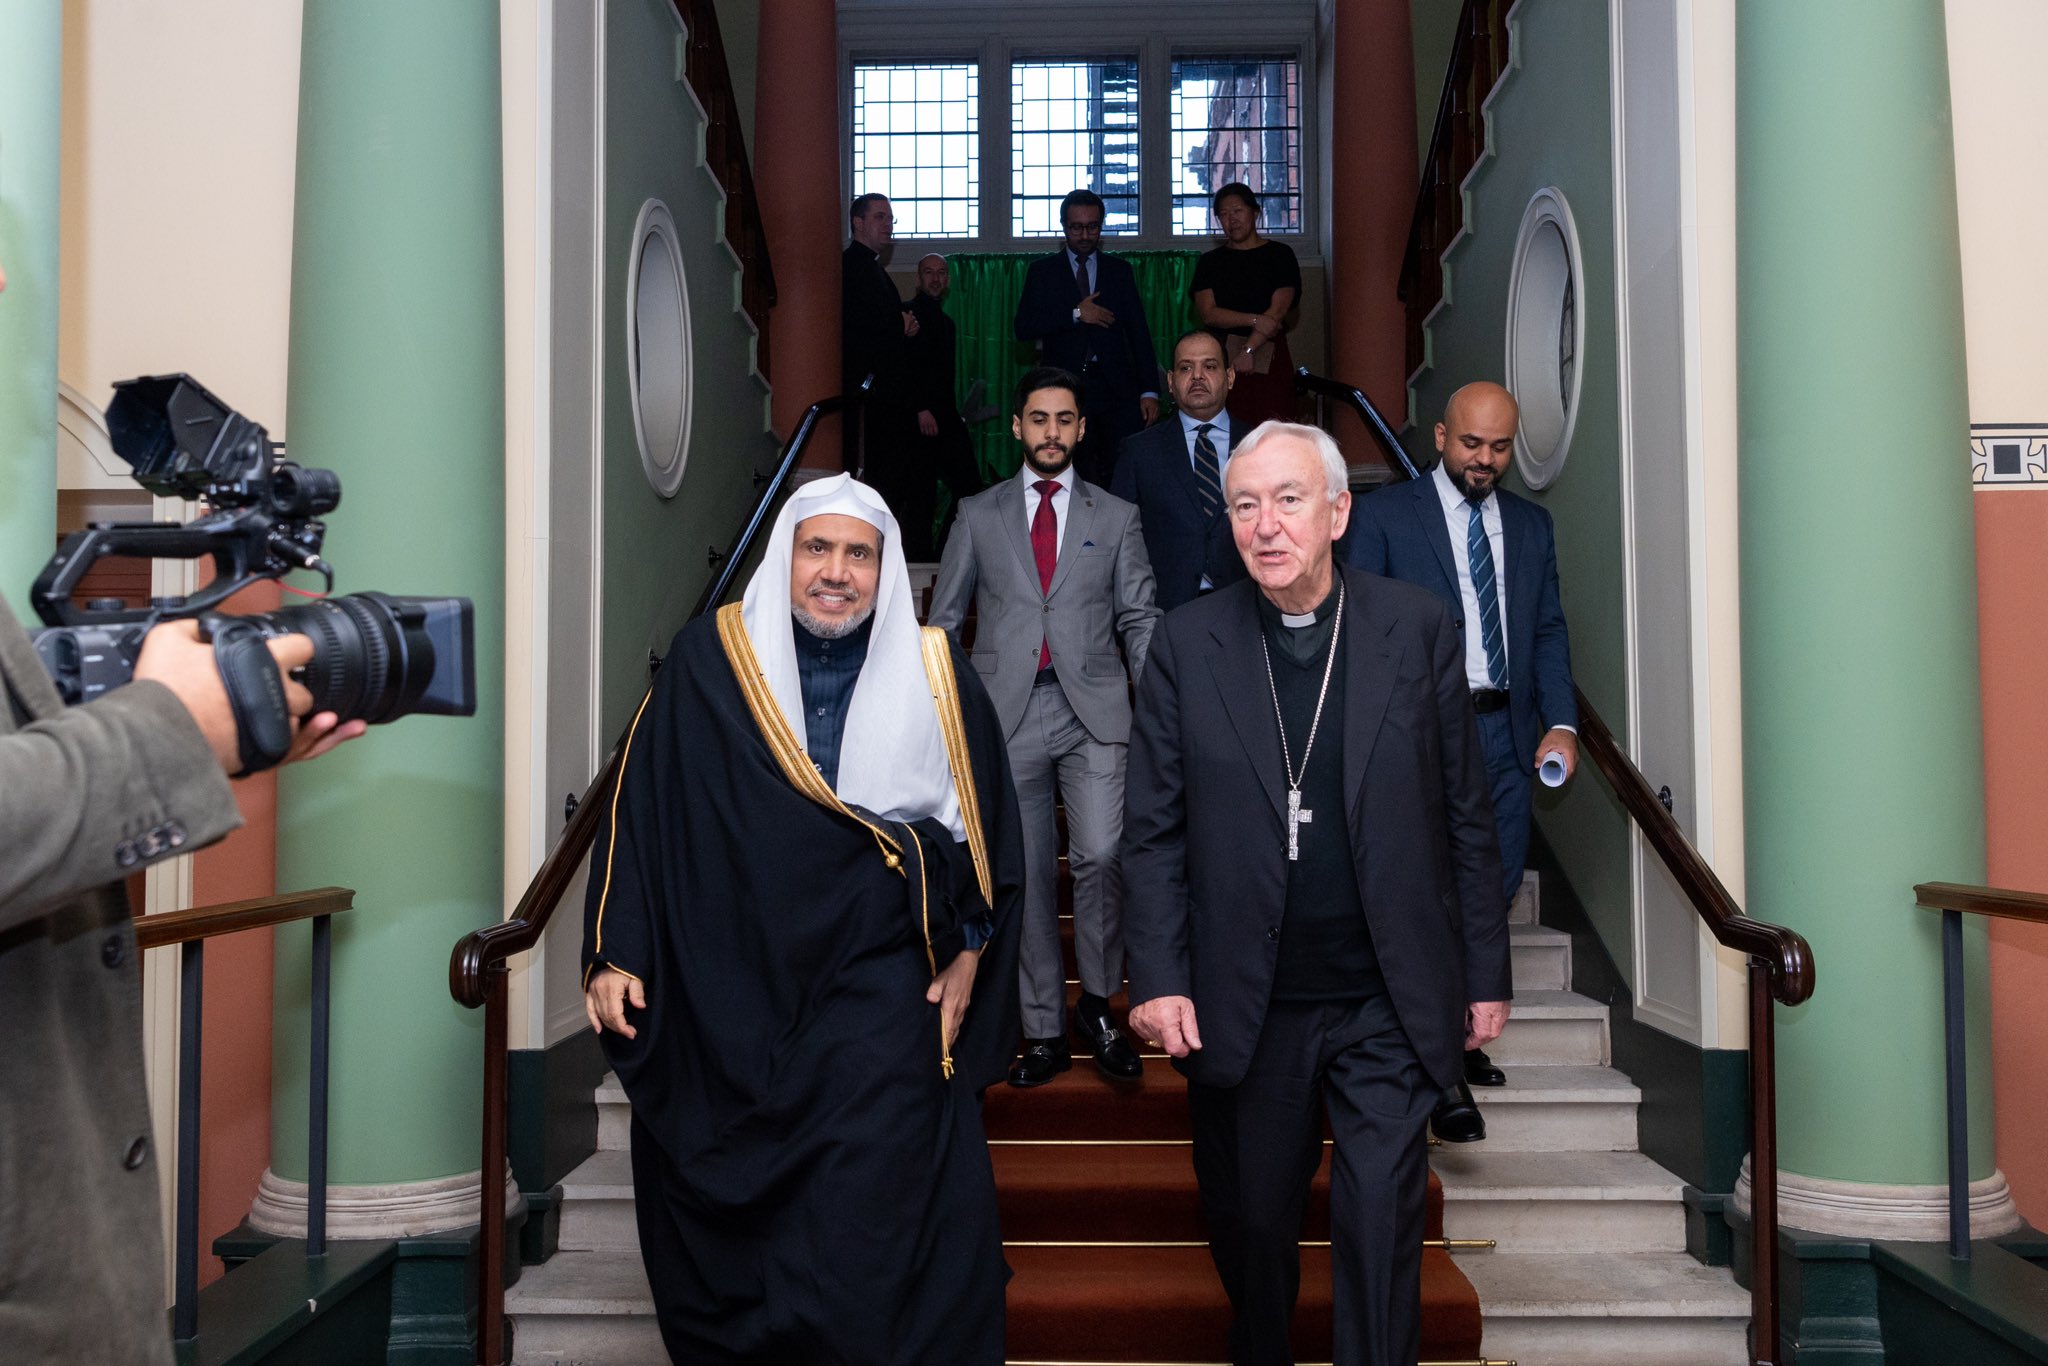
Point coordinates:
[(1492, 557), (1173, 471), (1084, 311)]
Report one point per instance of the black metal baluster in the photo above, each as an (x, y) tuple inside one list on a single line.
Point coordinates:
[(316, 1092), (1952, 1027), (191, 996)]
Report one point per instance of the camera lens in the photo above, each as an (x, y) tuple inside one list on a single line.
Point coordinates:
[(378, 657)]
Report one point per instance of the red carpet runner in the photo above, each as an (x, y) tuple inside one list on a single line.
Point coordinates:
[(1086, 1161)]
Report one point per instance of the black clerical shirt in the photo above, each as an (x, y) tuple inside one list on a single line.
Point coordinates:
[(1326, 951), (828, 670)]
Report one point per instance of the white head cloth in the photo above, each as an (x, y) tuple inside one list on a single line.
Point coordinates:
[(892, 758)]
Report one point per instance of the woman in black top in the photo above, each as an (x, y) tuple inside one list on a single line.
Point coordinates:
[(1243, 292)]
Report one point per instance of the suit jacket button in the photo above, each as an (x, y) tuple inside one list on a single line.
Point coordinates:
[(138, 1153), (125, 855), (1273, 933), (111, 952), (175, 833)]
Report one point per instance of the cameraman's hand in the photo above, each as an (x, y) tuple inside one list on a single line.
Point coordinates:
[(313, 735), (173, 655)]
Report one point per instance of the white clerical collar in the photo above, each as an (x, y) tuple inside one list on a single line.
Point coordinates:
[(1297, 621)]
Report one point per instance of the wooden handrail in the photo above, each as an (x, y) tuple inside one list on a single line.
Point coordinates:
[(204, 922), (725, 153), (1780, 960), (1783, 953), (1999, 902), (477, 968)]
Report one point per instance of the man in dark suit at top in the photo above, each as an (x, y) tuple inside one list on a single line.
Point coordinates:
[(1084, 311), (1174, 470), (1492, 558), (875, 336), (1314, 918), (942, 442)]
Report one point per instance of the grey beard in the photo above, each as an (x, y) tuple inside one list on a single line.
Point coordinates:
[(832, 630)]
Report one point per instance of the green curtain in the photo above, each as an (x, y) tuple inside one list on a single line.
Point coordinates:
[(983, 305)]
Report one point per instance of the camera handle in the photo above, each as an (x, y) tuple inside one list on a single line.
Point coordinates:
[(255, 688), (244, 545)]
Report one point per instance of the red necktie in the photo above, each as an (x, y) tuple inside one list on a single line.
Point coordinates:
[(1045, 549)]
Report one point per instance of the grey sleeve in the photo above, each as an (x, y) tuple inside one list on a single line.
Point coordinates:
[(97, 792), (954, 588)]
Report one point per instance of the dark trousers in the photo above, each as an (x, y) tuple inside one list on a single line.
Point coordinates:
[(1508, 771), (1256, 1149)]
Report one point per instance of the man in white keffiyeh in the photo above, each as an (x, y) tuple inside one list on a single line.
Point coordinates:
[(812, 862)]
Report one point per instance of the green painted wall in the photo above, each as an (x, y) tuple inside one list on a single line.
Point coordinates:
[(654, 548), (1550, 126), (397, 383), (31, 84), (1433, 24), (1862, 737)]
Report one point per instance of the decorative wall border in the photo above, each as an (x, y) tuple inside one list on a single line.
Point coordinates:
[(2009, 455)]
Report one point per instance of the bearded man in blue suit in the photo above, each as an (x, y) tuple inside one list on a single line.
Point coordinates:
[(1491, 555)]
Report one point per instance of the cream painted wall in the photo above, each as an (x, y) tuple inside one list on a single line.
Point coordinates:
[(1707, 53), (525, 55), (180, 138), (2000, 108)]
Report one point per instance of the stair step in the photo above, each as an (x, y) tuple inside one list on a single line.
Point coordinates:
[(597, 1206), (1153, 1108), (1560, 1202), (1130, 1193), (1541, 958), (1560, 1109), (1165, 1304), (1654, 1309), (589, 1308), (1552, 1027)]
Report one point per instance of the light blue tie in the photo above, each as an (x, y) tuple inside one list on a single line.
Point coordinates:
[(1479, 553)]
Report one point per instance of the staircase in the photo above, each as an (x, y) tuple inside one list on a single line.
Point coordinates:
[(1105, 1239)]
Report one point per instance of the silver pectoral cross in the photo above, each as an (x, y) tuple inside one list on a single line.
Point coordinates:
[(1296, 818)]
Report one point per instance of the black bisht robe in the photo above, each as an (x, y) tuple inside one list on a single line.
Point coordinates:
[(810, 1186)]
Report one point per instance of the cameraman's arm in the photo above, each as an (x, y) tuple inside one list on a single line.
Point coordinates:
[(94, 793)]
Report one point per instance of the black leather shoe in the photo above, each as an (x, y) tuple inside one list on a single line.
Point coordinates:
[(1043, 1060), (1480, 1071), (1457, 1118), (1114, 1056)]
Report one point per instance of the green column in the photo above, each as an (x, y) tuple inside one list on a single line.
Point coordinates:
[(1862, 745), (397, 382), (31, 88)]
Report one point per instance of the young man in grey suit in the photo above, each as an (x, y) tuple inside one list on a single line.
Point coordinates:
[(1057, 572)]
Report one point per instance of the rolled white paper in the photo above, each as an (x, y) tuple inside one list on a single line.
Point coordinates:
[(1551, 770)]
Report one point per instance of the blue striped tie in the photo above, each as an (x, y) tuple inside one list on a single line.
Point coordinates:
[(1208, 481), (1479, 551)]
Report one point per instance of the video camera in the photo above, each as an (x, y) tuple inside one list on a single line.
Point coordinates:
[(375, 655)]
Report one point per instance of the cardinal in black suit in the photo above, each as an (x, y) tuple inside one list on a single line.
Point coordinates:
[(1314, 920)]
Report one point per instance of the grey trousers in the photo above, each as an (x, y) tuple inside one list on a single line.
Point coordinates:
[(1051, 750)]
